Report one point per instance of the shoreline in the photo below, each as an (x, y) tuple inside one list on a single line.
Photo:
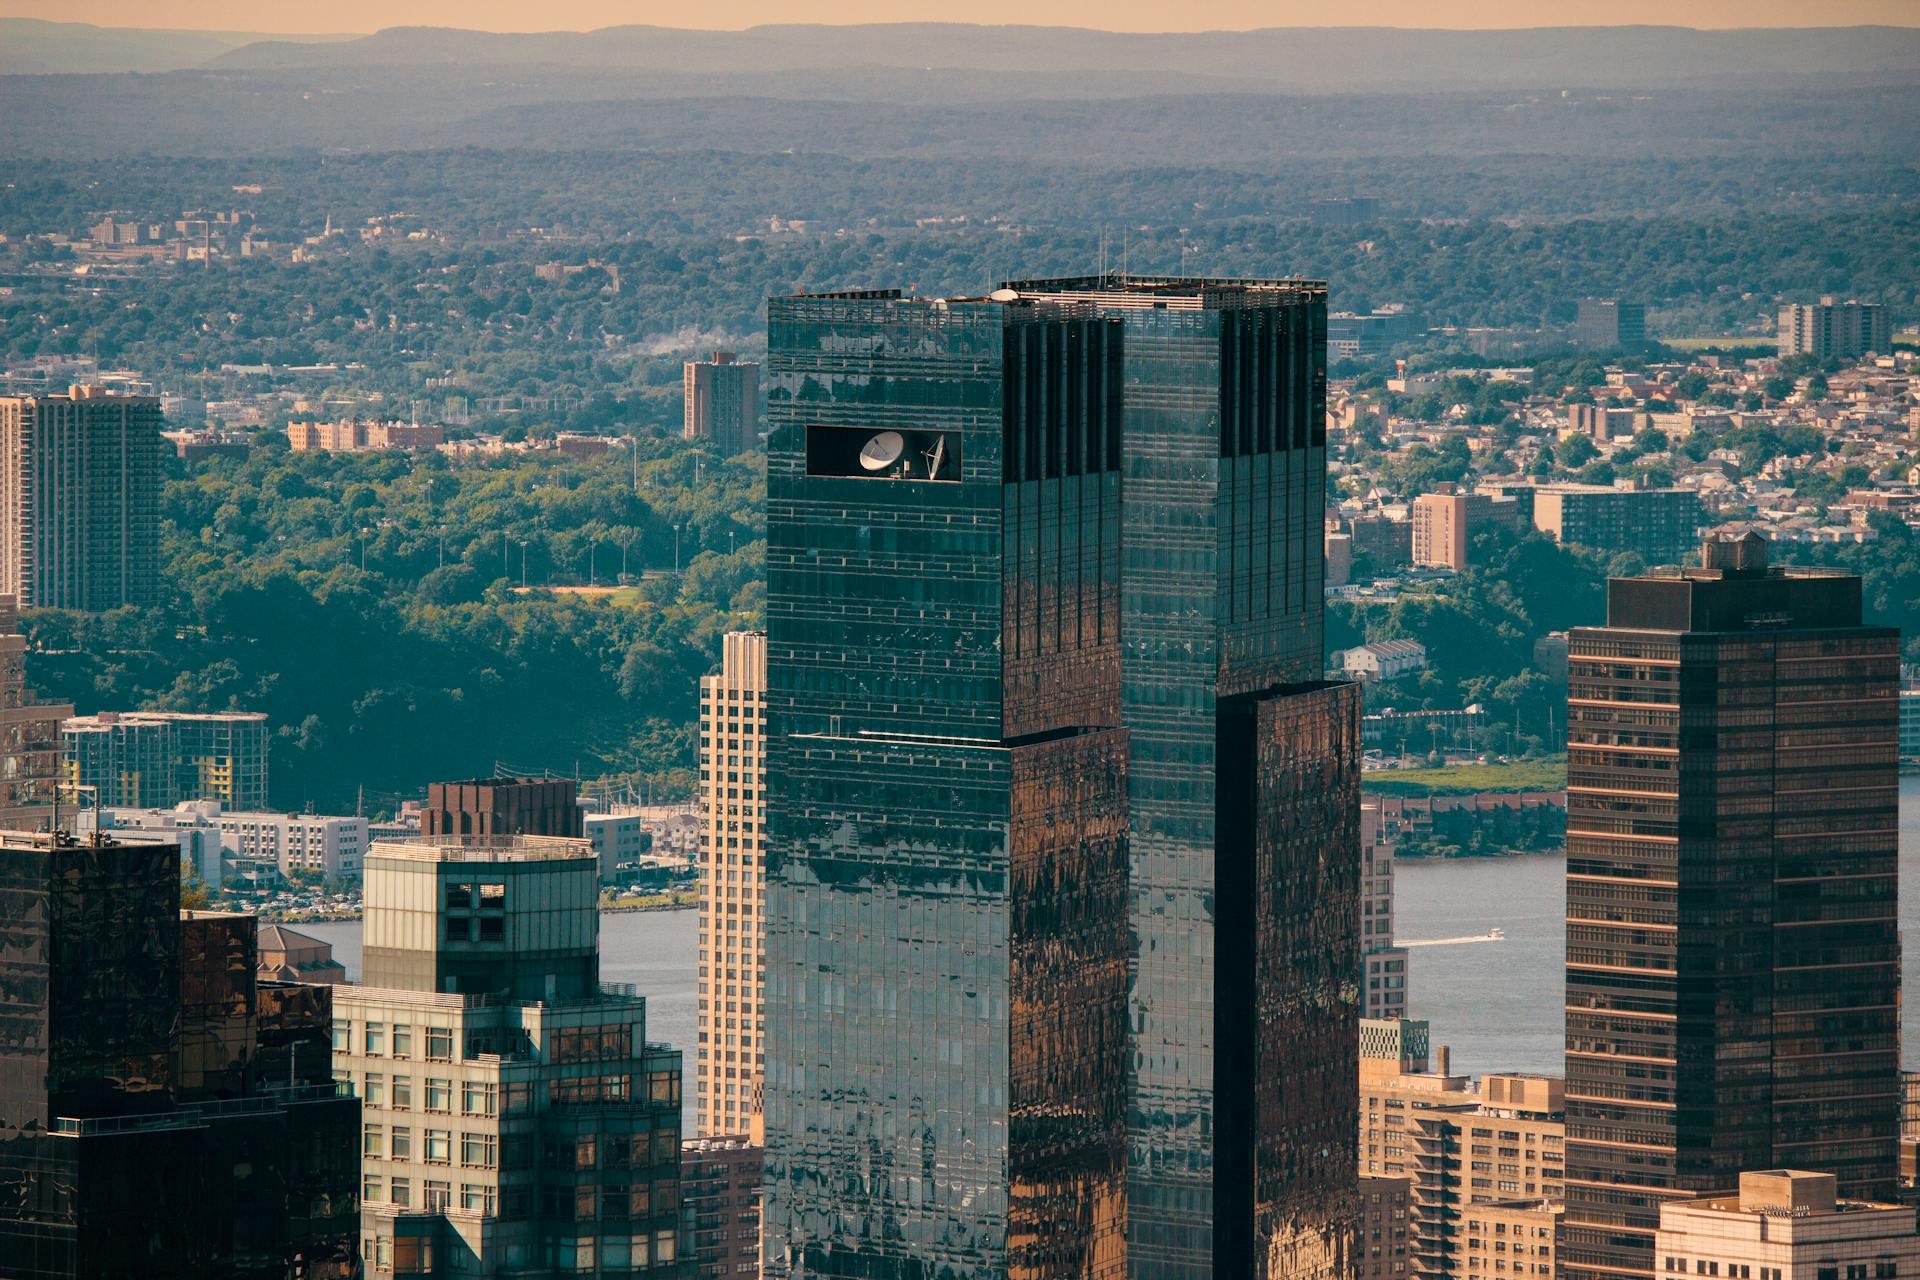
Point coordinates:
[(350, 917)]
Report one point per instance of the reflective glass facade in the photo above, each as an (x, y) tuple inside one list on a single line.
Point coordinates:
[(1224, 475), (1046, 727), (1733, 962), (161, 1112), (947, 943)]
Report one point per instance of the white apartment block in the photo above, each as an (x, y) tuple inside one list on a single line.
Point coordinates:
[(304, 842), (1785, 1224)]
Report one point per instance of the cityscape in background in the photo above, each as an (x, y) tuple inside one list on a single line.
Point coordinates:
[(693, 699)]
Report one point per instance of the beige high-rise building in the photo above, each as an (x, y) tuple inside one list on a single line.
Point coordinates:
[(1832, 328), (1785, 1224), (1384, 966), (732, 892), (29, 736), (1508, 1239), (515, 1119), (1440, 528), (80, 478), (1382, 1248), (1457, 1142), (722, 402)]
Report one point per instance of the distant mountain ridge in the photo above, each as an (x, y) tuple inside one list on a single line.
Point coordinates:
[(32, 46), (1284, 58), (1279, 59)]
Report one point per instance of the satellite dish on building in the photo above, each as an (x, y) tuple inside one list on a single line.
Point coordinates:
[(882, 451), (1004, 295)]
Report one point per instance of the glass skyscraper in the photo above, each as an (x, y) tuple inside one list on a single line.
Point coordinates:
[(1733, 954), (1047, 727), (1243, 783), (947, 944)]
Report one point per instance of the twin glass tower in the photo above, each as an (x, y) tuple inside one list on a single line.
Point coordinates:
[(1062, 845)]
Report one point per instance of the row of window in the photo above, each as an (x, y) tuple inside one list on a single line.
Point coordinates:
[(477, 1150), (610, 1254), (377, 1040), (477, 1097)]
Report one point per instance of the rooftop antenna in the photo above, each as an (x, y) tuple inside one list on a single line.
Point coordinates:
[(1103, 253)]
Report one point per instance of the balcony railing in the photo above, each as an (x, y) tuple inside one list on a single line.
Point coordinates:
[(195, 1114)]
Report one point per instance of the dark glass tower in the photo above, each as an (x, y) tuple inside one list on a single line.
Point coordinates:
[(1243, 784), (1733, 960), (162, 1112), (946, 942)]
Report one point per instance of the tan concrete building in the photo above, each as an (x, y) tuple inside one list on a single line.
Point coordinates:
[(1440, 528), (29, 736), (80, 479), (732, 889), (1457, 1142), (353, 435), (722, 402), (1384, 966), (1384, 1238), (516, 1120), (1785, 1224), (1508, 1239)]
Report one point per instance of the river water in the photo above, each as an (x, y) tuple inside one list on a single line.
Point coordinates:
[(1497, 1003)]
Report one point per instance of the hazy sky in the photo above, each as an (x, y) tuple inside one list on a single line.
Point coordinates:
[(1119, 15)]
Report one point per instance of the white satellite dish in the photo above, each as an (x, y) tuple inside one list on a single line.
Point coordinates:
[(882, 451), (1004, 295)]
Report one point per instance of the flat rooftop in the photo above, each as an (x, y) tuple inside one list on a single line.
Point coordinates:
[(457, 848), (1119, 291)]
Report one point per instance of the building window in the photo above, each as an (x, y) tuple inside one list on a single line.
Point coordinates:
[(373, 1089), (459, 896), (343, 1037), (402, 1193), (477, 1150), (476, 1097), (401, 1139), (439, 1147), (372, 1142), (370, 1189), (402, 1041), (439, 1094), (440, 1044), (376, 1045), (403, 1093), (437, 1196), (476, 1199)]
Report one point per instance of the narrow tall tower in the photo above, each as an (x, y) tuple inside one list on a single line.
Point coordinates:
[(1733, 955), (732, 891)]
